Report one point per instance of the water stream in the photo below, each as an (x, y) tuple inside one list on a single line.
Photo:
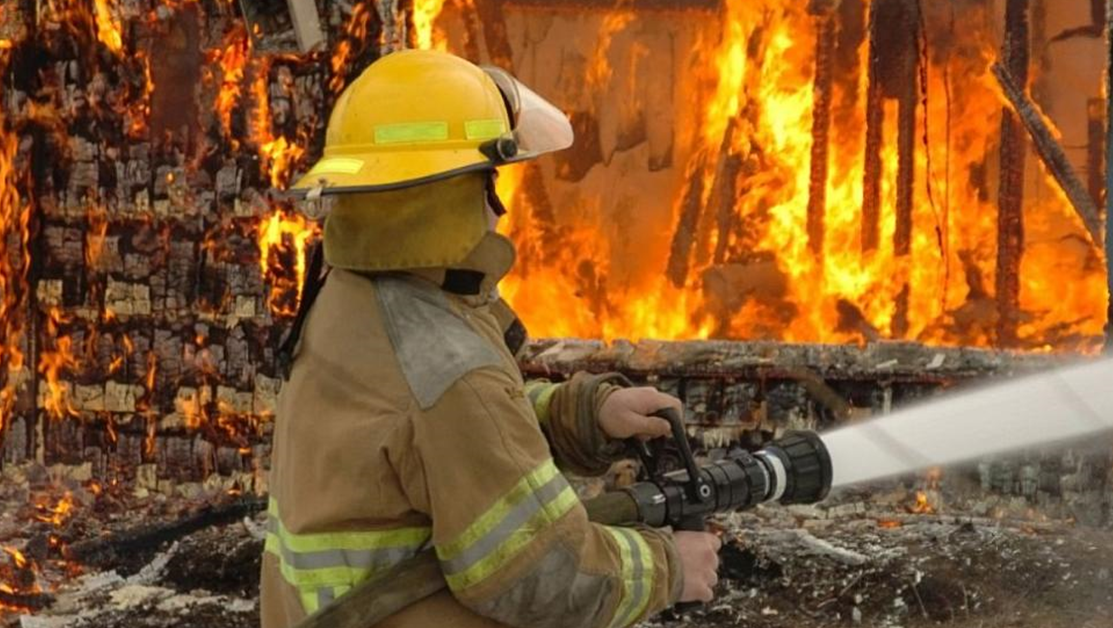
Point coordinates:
[(1054, 408)]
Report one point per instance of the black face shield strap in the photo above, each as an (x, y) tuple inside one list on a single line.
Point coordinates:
[(493, 199)]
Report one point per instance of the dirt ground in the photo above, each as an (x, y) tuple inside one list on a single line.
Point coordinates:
[(878, 558), (933, 573), (779, 571)]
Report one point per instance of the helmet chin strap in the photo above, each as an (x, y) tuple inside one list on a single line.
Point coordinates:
[(493, 200)]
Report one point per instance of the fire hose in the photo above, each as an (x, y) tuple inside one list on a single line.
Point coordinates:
[(794, 469)]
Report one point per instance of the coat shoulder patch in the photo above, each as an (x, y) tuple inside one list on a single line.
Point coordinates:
[(434, 346)]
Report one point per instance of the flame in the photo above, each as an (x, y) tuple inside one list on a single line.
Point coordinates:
[(58, 514), (231, 59), (599, 70), (354, 39), (147, 406), (922, 505), (95, 233), (139, 113), (426, 37), (281, 235), (20, 577), (753, 275), (53, 362), (108, 26), (15, 262), (18, 559), (279, 157)]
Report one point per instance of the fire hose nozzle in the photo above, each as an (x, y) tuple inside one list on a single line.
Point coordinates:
[(799, 468)]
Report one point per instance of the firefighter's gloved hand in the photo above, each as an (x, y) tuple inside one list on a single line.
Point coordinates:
[(626, 411), (699, 559)]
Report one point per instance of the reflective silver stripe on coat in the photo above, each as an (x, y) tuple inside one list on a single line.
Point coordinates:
[(511, 523), (367, 559), (638, 592)]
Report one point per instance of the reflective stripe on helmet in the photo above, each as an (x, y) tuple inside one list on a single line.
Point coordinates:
[(483, 129), (411, 132)]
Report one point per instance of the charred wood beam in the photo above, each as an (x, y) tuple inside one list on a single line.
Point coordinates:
[(906, 166), (1050, 152), (1095, 149), (717, 216), (823, 90), (907, 89), (875, 123), (307, 24), (684, 234), (26, 601), (1010, 199), (897, 362), (821, 392), (894, 59), (1109, 170), (495, 33), (851, 28), (893, 64), (724, 196), (149, 537)]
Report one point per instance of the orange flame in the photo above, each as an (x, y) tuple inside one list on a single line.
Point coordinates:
[(354, 38), (425, 14), (923, 504), (232, 59), (139, 113), (15, 216), (95, 234), (53, 362), (18, 559), (58, 514), (283, 234), (108, 26), (750, 272)]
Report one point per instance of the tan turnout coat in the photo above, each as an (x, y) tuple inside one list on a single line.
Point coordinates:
[(406, 424)]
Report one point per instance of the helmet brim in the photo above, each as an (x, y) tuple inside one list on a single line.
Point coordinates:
[(539, 128)]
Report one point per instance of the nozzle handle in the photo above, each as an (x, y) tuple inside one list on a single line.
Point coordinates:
[(696, 487)]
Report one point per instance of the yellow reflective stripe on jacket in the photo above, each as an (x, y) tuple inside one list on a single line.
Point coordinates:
[(637, 575), (338, 559), (540, 393), (539, 499), (313, 598)]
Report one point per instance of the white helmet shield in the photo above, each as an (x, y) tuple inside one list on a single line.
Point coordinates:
[(538, 126)]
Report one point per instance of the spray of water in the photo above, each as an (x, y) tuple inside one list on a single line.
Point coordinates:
[(1042, 411)]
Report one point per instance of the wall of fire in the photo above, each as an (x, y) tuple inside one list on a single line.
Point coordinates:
[(148, 264)]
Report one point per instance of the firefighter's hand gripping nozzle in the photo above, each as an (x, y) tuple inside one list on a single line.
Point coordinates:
[(794, 469)]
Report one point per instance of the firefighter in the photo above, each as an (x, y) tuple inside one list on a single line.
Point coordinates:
[(405, 423)]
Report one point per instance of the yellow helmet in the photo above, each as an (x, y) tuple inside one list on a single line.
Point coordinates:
[(417, 116)]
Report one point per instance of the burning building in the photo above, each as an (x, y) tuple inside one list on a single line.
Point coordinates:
[(789, 213)]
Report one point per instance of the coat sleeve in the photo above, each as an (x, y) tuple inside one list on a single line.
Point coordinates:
[(512, 537), (568, 413)]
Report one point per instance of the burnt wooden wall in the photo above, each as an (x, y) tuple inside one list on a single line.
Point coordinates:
[(144, 294)]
